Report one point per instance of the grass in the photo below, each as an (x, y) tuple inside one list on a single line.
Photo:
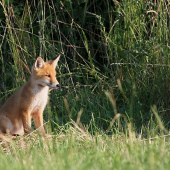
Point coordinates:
[(113, 109), (74, 149)]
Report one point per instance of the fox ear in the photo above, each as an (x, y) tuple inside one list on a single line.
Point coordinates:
[(39, 63), (55, 61)]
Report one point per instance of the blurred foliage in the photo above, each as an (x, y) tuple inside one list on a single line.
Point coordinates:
[(101, 42)]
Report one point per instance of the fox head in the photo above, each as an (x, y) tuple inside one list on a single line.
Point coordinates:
[(44, 73)]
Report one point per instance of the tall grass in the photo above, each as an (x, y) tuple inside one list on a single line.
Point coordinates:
[(107, 47), (113, 109)]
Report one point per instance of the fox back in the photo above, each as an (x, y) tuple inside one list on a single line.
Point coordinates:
[(30, 100)]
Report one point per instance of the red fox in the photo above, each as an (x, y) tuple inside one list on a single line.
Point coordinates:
[(30, 100)]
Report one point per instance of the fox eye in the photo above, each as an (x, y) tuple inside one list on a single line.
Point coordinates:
[(47, 75)]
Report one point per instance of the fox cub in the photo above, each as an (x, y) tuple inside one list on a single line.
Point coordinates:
[(30, 100)]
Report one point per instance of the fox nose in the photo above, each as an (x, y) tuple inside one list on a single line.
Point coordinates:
[(58, 85)]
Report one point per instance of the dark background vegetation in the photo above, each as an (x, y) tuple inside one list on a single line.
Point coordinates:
[(112, 51)]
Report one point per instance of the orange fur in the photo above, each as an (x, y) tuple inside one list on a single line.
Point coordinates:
[(30, 100)]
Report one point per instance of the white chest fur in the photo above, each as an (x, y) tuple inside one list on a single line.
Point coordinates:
[(40, 98)]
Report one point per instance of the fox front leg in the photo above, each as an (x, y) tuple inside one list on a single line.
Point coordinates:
[(26, 120), (38, 120)]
